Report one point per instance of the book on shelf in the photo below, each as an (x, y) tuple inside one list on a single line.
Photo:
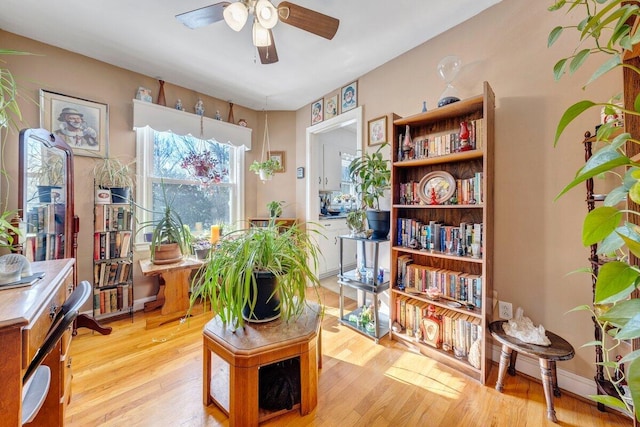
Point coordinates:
[(443, 143)]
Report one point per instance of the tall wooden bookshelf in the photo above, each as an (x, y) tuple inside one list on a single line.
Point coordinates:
[(432, 243), (113, 239)]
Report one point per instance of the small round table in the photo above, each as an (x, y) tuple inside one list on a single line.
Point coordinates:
[(559, 349)]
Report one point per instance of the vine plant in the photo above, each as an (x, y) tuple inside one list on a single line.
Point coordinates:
[(607, 30)]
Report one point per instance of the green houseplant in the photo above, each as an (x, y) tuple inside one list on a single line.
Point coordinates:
[(275, 208), (371, 175), (117, 176), (10, 115), (608, 25), (257, 273), (170, 239), (265, 169)]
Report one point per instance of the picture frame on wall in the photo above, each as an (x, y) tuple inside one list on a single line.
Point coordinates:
[(317, 111), (378, 131), (81, 123), (279, 156), (331, 107), (349, 97)]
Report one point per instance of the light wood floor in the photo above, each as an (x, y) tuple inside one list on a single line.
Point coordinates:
[(139, 377)]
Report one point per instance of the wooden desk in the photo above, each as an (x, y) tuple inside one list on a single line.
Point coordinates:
[(173, 294), (24, 322), (559, 349), (233, 385)]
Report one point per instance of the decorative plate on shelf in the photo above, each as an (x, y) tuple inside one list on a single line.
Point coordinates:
[(439, 186)]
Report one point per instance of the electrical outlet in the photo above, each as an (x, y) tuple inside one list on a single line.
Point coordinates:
[(505, 310)]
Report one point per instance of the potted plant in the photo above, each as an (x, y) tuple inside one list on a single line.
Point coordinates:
[(10, 115), (170, 238), (259, 273), (47, 172), (265, 169), (609, 24), (111, 173), (371, 175), (275, 208)]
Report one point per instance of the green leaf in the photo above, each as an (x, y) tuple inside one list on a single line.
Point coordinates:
[(615, 281), (622, 312), (609, 65), (633, 245), (612, 242), (631, 329), (615, 196), (636, 102), (578, 60), (558, 5), (593, 172), (599, 223), (554, 35), (558, 69), (633, 381), (572, 112), (630, 356), (611, 401)]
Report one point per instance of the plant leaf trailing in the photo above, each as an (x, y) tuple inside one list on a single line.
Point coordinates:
[(606, 24)]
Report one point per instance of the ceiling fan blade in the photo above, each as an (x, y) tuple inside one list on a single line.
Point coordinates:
[(309, 20), (268, 54), (204, 16)]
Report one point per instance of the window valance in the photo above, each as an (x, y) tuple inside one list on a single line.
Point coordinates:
[(163, 118)]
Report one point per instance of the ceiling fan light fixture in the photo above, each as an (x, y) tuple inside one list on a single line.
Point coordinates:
[(235, 15), (261, 35), (266, 13)]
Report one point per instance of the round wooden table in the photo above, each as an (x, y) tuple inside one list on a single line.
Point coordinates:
[(547, 356)]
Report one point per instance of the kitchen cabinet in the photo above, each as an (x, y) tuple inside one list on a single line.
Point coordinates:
[(332, 149), (329, 245)]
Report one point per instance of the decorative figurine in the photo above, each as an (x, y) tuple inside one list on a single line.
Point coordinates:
[(218, 116), (424, 106), (242, 122), (199, 107), (434, 197), (179, 105), (464, 137)]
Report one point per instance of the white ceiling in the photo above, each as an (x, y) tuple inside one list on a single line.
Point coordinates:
[(144, 36)]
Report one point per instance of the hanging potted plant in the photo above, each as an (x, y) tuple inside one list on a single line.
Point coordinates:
[(259, 274), (204, 166), (371, 175), (265, 169), (112, 174)]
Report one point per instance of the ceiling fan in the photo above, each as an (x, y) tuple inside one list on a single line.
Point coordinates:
[(265, 17)]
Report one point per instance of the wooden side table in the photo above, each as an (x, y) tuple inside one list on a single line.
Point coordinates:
[(173, 294), (547, 356), (232, 383)]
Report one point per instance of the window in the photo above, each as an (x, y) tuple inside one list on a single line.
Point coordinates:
[(160, 162)]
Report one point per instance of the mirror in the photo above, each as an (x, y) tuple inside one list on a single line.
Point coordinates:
[(45, 195), (350, 124)]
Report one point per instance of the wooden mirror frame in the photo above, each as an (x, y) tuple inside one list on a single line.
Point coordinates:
[(51, 141)]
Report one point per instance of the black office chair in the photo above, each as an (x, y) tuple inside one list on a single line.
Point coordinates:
[(37, 378)]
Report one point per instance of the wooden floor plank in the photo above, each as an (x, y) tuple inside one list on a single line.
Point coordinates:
[(153, 377)]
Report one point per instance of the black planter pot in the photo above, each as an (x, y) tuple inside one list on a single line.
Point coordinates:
[(267, 306), (380, 223), (120, 194)]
